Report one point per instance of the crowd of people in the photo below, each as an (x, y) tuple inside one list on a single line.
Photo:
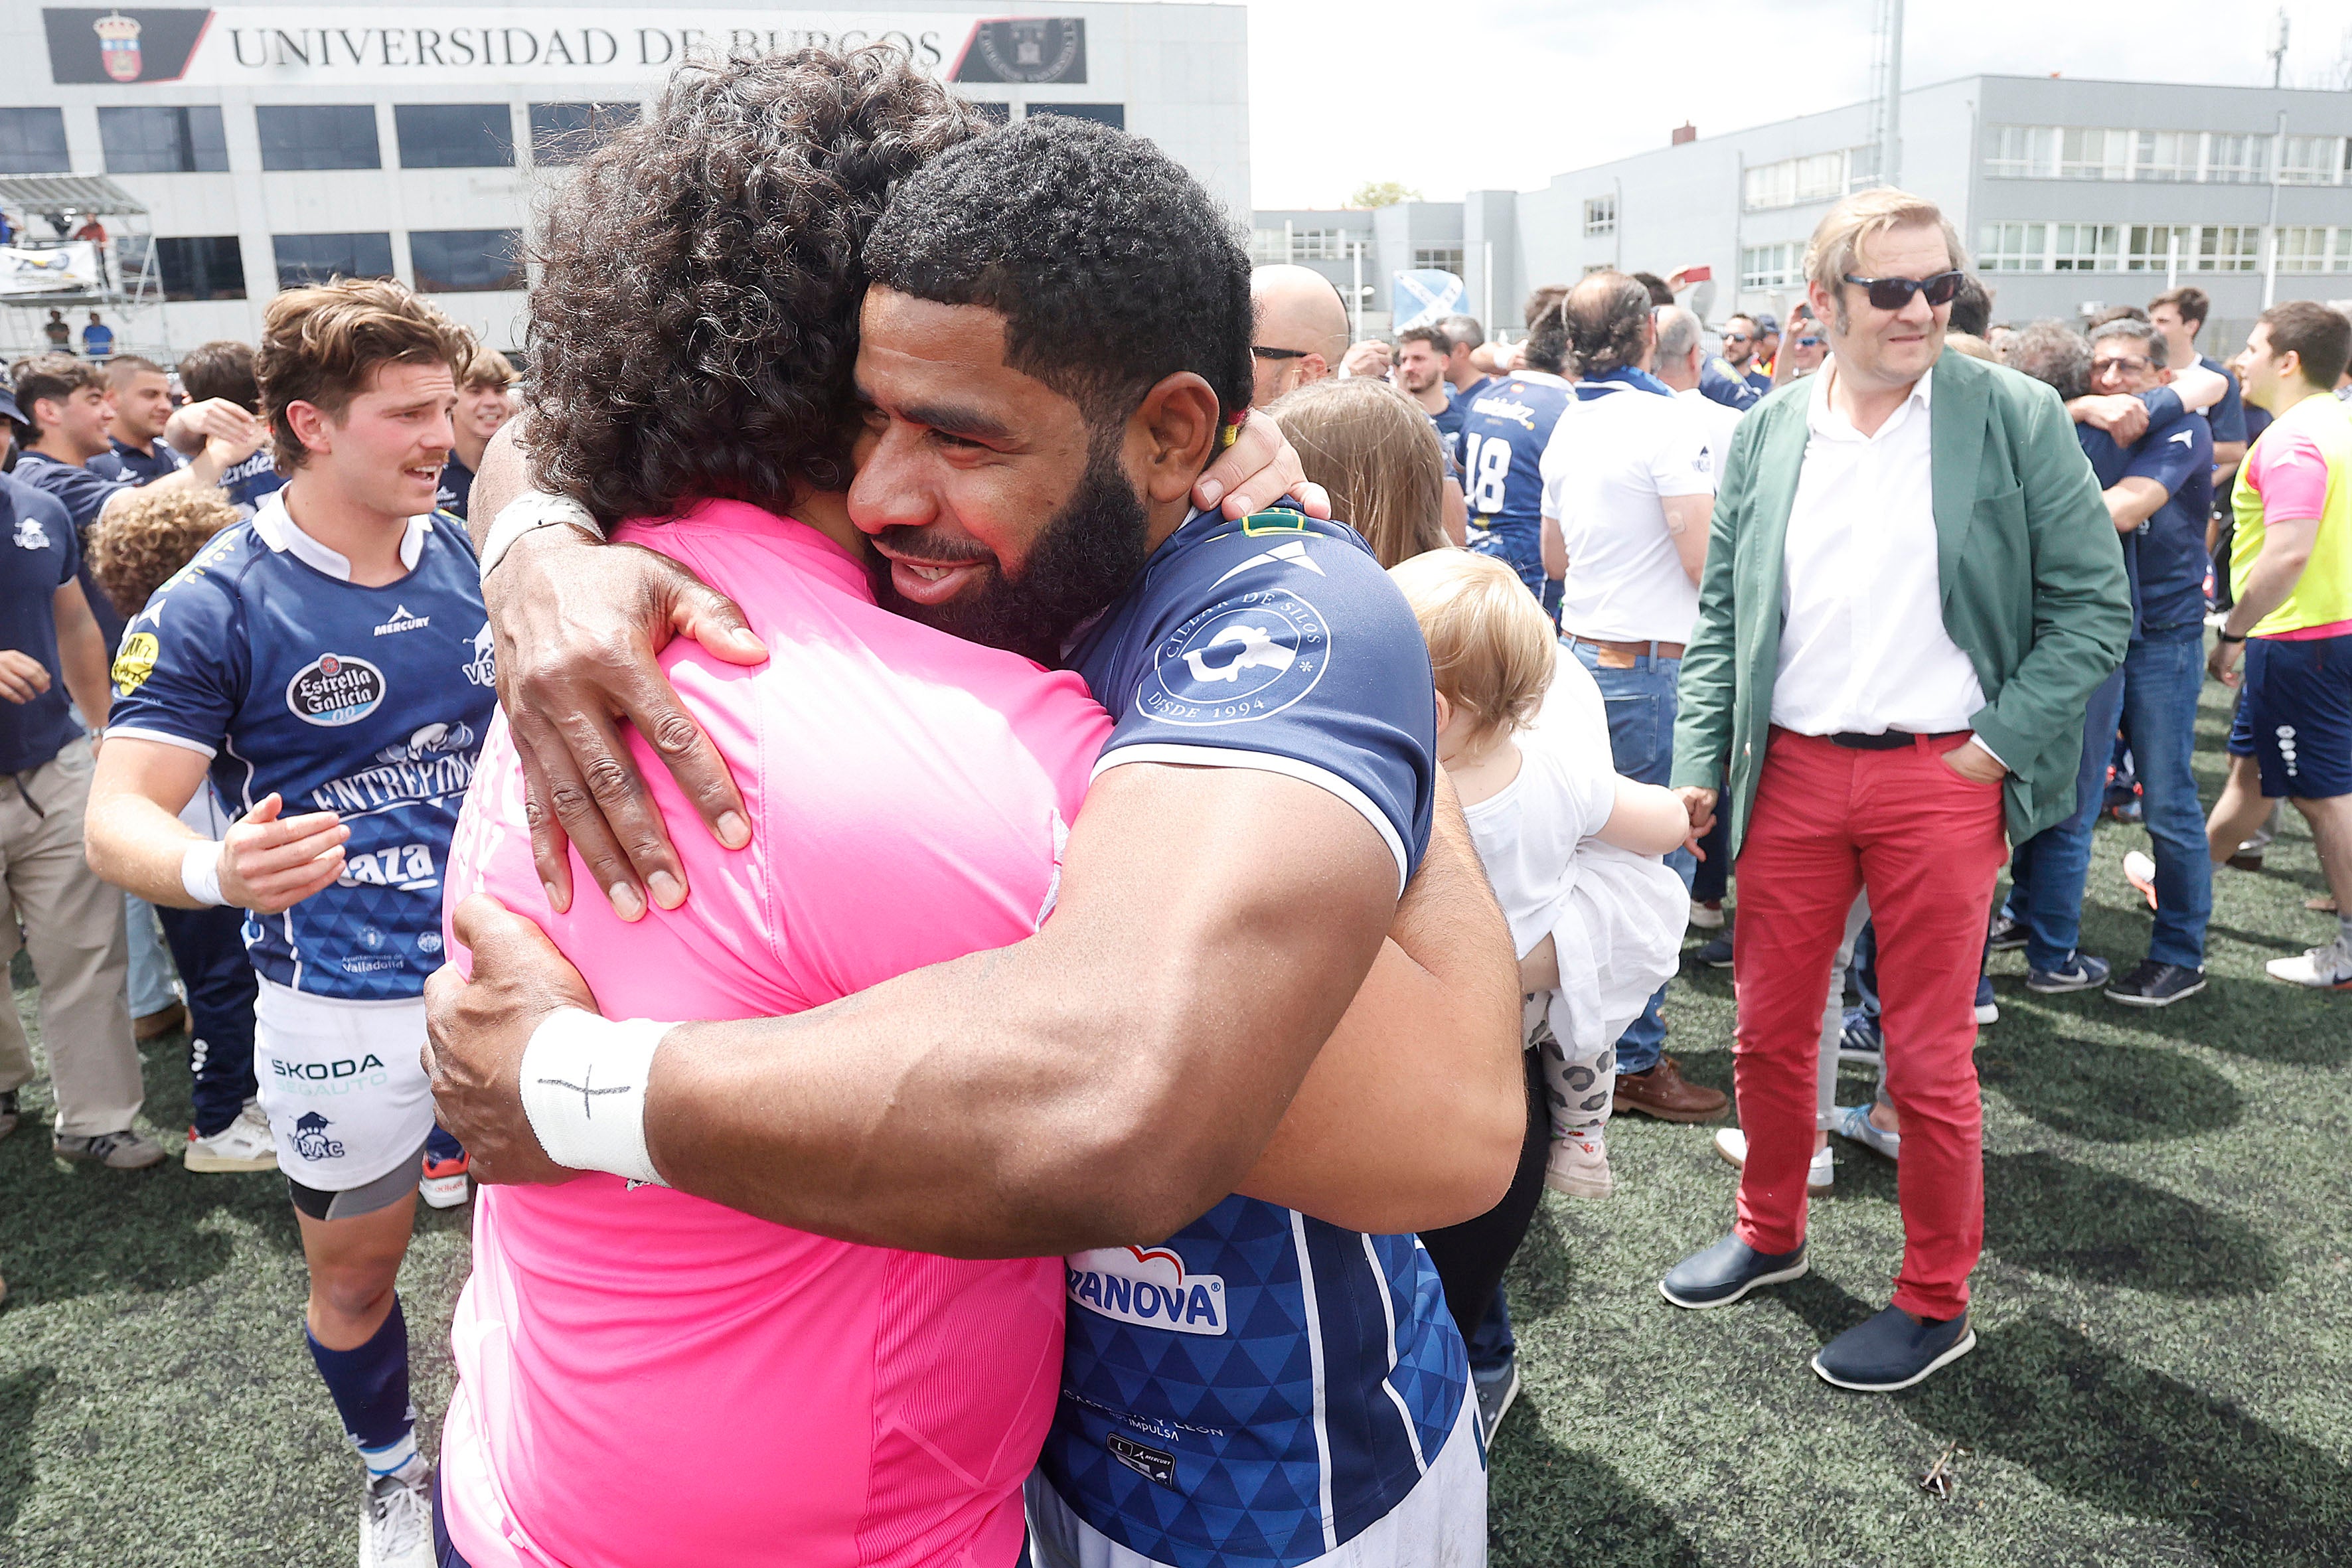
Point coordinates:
[(1127, 838)]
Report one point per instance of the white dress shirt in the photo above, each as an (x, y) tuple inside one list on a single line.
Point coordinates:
[(1862, 645)]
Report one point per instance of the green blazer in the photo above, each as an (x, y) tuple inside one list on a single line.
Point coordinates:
[(2032, 578)]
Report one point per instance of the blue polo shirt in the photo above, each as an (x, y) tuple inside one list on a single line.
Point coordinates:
[(38, 555), (128, 462), (83, 492), (2165, 556)]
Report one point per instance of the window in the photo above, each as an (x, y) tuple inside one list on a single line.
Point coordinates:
[(1269, 246), (318, 136), (2238, 160), (466, 260), (1319, 245), (1821, 178), (2228, 247), (2014, 247), (33, 141), (164, 141), (455, 135), (307, 258), (1772, 266), (1439, 260), (2309, 160), (2085, 247), (2165, 155), (2021, 152), (211, 267), (2094, 155), (1112, 114), (568, 133), (1600, 216), (2152, 247), (2314, 251)]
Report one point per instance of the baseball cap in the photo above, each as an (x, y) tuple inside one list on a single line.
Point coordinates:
[(9, 409), (1768, 323)]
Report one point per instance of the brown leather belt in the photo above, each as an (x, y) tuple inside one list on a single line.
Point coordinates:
[(1628, 651)]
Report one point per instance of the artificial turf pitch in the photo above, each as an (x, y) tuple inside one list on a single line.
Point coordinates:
[(2163, 1377)]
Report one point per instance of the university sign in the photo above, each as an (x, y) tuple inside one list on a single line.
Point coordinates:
[(289, 45)]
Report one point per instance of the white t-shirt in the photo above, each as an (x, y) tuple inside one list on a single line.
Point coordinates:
[(1615, 918), (1715, 423), (1611, 459)]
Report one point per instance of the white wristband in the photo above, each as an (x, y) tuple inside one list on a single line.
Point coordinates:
[(200, 871), (583, 1087), (532, 510)]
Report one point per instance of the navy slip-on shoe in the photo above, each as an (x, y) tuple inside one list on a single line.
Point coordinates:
[(1727, 1271), (1891, 1351)]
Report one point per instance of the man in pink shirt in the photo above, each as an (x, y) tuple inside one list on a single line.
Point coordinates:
[(606, 1411)]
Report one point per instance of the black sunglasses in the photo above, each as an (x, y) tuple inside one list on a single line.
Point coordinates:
[(1262, 352), (1894, 293)]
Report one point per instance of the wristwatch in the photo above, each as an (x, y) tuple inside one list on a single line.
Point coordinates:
[(2221, 636)]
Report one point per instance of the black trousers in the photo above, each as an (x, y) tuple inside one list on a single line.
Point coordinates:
[(1471, 1257)]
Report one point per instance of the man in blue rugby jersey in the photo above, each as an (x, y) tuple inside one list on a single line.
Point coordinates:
[(324, 663), (1100, 1089), (1503, 433)]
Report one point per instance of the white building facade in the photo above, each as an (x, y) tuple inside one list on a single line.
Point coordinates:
[(2069, 195), (274, 145)]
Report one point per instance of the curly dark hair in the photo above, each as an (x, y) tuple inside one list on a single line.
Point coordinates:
[(1110, 264), (142, 540), (695, 327), (1608, 317), (1547, 346)]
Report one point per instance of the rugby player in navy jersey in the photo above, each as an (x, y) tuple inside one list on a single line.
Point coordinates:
[(326, 663), (1509, 422), (141, 394), (1245, 1383)]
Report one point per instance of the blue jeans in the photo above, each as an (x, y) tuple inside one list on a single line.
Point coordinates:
[(2163, 674), (150, 966), (1642, 706), (2046, 872)]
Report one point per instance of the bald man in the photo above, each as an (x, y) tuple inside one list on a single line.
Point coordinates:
[(1302, 330)]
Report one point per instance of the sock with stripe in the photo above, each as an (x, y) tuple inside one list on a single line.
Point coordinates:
[(370, 1385)]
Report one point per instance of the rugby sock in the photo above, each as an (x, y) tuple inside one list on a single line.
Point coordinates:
[(441, 1145), (370, 1385)]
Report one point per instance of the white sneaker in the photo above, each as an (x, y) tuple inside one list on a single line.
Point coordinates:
[(1855, 1122), (2140, 872), (2325, 968), (396, 1524), (1821, 1176), (1706, 918), (239, 1146), (1580, 1167)]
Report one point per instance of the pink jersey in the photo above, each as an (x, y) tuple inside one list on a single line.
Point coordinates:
[(645, 1378)]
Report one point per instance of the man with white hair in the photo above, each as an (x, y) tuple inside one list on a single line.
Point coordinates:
[(1302, 330), (1912, 588), (1680, 360)]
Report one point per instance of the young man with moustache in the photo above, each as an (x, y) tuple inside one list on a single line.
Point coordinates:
[(1035, 437), (1911, 589), (326, 663)]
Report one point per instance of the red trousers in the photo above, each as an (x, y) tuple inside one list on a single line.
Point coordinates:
[(1928, 845)]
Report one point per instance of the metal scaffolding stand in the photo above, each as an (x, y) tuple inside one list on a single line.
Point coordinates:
[(128, 287)]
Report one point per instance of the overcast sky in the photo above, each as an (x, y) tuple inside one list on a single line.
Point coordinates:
[(1455, 95)]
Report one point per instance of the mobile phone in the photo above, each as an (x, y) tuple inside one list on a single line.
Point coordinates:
[(1698, 274)]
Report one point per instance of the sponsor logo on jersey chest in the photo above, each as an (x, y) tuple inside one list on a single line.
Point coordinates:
[(1147, 1286), (335, 689)]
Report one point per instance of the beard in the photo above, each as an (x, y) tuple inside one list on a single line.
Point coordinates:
[(1087, 553)]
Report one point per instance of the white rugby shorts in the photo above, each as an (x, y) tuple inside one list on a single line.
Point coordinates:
[(343, 1084)]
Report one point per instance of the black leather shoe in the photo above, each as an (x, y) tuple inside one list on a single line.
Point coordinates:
[(1891, 1351), (1727, 1271)]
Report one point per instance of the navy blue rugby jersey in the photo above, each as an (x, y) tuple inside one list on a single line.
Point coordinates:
[(1503, 437), (128, 462), (1261, 1386), (371, 702), (253, 481)]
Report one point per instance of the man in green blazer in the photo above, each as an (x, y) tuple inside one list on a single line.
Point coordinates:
[(1912, 588)]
